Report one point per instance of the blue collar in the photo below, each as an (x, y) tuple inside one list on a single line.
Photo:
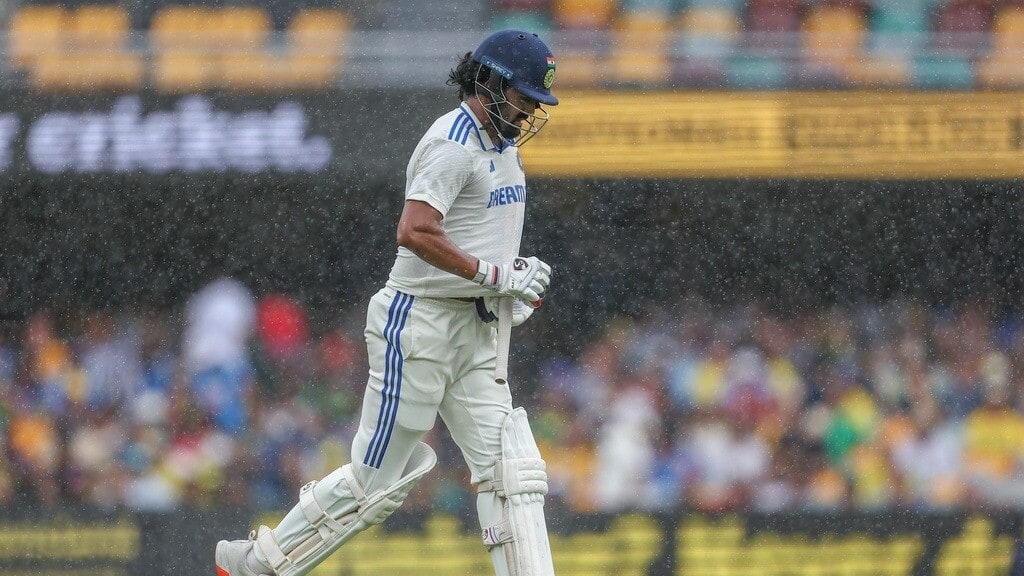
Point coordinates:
[(483, 136)]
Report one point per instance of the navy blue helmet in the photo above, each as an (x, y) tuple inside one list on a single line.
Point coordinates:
[(523, 60)]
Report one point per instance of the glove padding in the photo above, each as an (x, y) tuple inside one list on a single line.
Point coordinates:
[(524, 279)]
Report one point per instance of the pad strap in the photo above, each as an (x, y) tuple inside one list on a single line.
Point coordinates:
[(517, 476), (498, 534), (268, 544), (353, 512), (318, 517), (511, 504)]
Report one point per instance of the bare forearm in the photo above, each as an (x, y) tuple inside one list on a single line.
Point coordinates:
[(436, 249)]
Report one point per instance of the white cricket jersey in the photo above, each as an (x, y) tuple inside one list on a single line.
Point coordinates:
[(478, 187)]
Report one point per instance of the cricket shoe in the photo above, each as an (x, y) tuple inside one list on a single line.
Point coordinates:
[(232, 559)]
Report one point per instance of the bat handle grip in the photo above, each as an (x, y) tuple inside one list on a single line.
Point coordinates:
[(504, 340)]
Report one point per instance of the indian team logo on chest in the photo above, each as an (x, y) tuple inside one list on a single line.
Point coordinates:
[(506, 195), (549, 76)]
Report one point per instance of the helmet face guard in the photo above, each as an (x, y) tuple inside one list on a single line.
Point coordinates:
[(535, 119), (524, 63)]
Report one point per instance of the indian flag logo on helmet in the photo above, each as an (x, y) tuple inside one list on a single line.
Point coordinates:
[(549, 76)]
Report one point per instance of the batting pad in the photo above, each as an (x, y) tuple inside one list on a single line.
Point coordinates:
[(512, 505), (332, 512)]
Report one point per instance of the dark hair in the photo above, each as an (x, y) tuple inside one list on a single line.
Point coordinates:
[(466, 74)]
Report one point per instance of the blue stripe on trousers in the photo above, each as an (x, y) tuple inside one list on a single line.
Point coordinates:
[(397, 316)]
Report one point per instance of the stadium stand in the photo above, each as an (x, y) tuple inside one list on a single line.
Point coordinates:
[(583, 14), (581, 60), (237, 55), (538, 21), (1001, 68), (833, 38), (942, 72), (756, 44), (773, 23), (640, 41), (32, 31), (185, 48), (88, 50), (316, 44), (707, 33), (524, 14), (886, 406), (244, 60)]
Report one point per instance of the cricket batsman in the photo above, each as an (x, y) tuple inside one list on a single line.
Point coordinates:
[(432, 334)]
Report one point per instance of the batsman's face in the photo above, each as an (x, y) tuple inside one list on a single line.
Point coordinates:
[(516, 109)]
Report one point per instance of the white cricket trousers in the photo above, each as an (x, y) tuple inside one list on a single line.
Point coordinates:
[(427, 356)]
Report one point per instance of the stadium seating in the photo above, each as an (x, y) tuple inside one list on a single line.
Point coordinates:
[(772, 25), (86, 48), (832, 41), (962, 25), (926, 44), (879, 71), (707, 34), (1001, 67), (188, 47), (523, 5), (580, 61), (708, 31), (585, 14), (640, 41), (34, 31), (244, 60), (233, 53), (184, 45), (900, 16), (756, 71), (936, 72), (316, 39), (535, 21)]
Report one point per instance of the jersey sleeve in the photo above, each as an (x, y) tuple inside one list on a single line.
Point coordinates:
[(441, 172)]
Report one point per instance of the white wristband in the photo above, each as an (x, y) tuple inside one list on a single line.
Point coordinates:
[(486, 273)]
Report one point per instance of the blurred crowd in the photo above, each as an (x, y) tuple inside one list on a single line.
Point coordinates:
[(238, 400)]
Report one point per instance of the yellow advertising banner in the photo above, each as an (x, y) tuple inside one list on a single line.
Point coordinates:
[(872, 135)]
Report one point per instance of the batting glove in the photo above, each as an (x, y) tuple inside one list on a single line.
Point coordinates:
[(525, 279), (487, 308)]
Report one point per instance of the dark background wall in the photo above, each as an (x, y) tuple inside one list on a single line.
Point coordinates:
[(617, 245)]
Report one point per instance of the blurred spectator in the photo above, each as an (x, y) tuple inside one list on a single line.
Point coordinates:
[(110, 363), (779, 488), (281, 326), (625, 450), (219, 323), (825, 488), (51, 371), (994, 449), (572, 465), (731, 459), (146, 487), (198, 453), (160, 364), (93, 473), (672, 470), (35, 450), (930, 459), (738, 409)]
